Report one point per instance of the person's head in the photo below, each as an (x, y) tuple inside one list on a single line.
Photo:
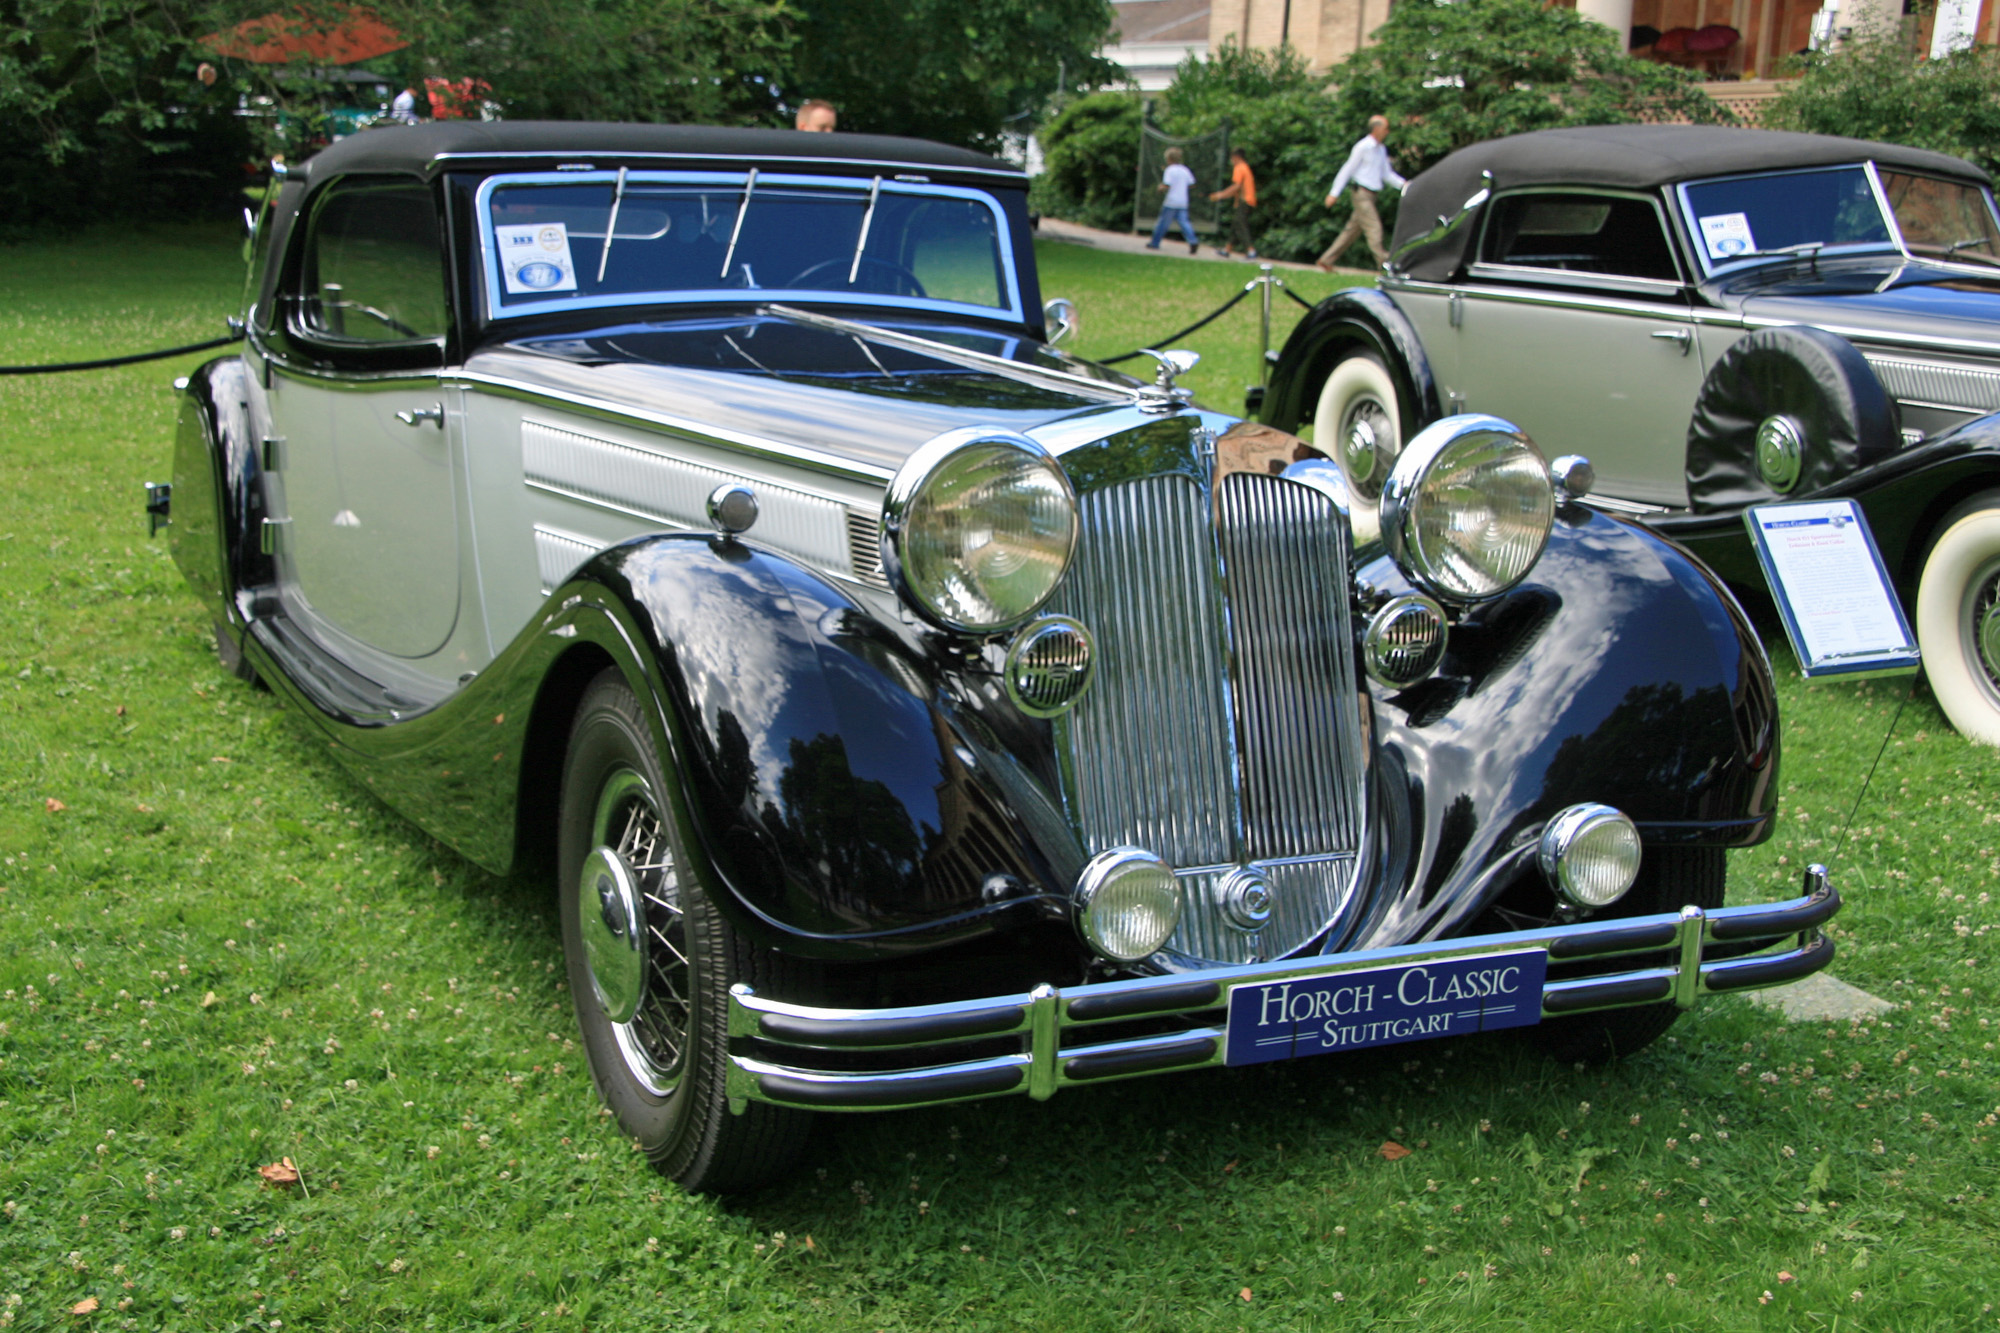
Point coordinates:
[(1236, 155), (1173, 157), (817, 117), (1378, 127)]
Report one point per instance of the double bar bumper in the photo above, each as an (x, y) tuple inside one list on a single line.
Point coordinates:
[(1054, 1029)]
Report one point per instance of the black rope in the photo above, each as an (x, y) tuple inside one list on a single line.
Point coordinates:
[(1880, 751), (1203, 323), (119, 360), (1296, 297)]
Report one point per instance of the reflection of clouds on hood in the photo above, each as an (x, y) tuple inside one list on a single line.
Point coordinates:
[(1612, 585), (735, 672)]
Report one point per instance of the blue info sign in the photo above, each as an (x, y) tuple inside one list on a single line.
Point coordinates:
[(1278, 1020)]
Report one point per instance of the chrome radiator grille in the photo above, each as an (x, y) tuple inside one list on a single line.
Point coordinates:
[(1222, 727)]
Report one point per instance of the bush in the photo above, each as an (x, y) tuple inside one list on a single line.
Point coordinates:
[(1872, 89), (1090, 156)]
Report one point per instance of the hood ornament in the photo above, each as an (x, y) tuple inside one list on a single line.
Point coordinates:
[(1164, 395)]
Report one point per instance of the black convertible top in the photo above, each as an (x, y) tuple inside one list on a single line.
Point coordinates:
[(1631, 157), (540, 144)]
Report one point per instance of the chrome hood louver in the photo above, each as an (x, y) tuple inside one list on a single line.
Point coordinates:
[(1223, 731)]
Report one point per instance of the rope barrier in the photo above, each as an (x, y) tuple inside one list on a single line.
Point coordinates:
[(110, 361), (1202, 323)]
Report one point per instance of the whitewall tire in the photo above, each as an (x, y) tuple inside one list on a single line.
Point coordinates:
[(1958, 617), (1359, 424)]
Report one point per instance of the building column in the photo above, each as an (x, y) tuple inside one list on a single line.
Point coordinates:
[(1613, 14)]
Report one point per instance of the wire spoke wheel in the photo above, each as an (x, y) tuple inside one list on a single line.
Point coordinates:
[(651, 959)]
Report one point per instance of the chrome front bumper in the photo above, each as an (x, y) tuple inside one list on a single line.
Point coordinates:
[(1053, 1029)]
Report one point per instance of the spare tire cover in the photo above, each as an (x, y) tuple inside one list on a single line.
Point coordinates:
[(1808, 373)]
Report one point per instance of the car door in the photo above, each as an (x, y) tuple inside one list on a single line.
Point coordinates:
[(1575, 325), (368, 541)]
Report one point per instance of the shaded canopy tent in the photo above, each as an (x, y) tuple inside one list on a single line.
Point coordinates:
[(333, 35)]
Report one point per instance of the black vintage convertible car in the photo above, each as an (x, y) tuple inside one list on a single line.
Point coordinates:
[(904, 710), (1718, 318)]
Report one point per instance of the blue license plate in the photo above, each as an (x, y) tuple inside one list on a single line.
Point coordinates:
[(1281, 1020)]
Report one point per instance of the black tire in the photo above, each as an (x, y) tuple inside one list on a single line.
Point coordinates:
[(1670, 878), (1817, 381), (663, 1073)]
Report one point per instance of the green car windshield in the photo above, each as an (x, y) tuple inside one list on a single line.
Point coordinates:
[(1835, 209), (573, 241)]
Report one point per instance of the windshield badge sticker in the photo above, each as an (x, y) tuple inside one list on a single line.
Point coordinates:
[(1727, 235), (534, 257)]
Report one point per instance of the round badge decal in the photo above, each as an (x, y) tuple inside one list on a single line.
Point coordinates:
[(539, 275)]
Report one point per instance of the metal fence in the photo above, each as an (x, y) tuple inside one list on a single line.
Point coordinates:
[(1207, 156)]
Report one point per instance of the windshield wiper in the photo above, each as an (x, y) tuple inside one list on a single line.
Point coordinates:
[(611, 227), (1968, 243), (867, 220), (749, 188)]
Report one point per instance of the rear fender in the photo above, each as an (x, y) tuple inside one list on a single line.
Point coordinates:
[(216, 532)]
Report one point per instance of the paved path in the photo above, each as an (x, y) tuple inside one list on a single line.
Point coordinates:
[(1820, 998), (1174, 247)]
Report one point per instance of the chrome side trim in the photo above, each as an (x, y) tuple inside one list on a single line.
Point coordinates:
[(1930, 384), (557, 554), (624, 414), (765, 1031), (1608, 305), (658, 487)]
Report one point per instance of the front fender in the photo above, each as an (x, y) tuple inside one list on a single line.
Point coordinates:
[(1358, 316), (1621, 671), (838, 781)]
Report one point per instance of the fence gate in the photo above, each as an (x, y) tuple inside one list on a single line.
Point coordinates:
[(1206, 155)]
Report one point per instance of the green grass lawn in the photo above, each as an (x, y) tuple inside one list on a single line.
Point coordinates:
[(217, 951)]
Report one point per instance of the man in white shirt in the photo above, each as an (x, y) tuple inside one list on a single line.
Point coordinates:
[(1368, 171), (1175, 182), (404, 108)]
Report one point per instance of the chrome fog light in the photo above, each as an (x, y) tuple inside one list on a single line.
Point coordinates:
[(1404, 641), (978, 527), (1049, 666), (1467, 507), (1590, 854), (1127, 903)]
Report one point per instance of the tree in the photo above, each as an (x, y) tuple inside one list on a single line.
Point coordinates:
[(1090, 158), (1448, 73), (709, 62), (1871, 88), (955, 70)]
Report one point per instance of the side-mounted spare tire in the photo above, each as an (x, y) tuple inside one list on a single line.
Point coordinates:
[(1784, 412)]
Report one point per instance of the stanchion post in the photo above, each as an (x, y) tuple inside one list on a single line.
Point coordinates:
[(1267, 276)]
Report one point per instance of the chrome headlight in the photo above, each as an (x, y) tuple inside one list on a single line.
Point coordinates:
[(1590, 854), (1127, 903), (978, 528), (1467, 507)]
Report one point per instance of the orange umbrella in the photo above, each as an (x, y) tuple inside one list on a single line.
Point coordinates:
[(335, 35)]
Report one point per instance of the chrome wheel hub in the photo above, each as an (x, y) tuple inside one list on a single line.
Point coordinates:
[(635, 934), (614, 933), (1365, 445), (1982, 626), (1781, 451)]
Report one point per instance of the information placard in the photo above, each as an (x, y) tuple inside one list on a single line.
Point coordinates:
[(1833, 593)]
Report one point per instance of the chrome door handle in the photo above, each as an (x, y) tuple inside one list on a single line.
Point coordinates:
[(419, 415), (1684, 337)]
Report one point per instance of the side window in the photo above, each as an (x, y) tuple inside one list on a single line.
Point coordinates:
[(373, 271), (1580, 233)]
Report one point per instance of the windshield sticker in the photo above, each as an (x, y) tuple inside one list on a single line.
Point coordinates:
[(534, 257), (1727, 235)]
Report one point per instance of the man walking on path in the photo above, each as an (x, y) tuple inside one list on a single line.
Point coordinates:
[(1174, 183), (1367, 170), (1242, 188)]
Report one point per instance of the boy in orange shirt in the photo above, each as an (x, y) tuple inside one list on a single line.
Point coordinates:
[(1242, 188)]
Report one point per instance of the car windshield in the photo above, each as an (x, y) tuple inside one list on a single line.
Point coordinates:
[(1749, 216), (1939, 217), (598, 239)]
